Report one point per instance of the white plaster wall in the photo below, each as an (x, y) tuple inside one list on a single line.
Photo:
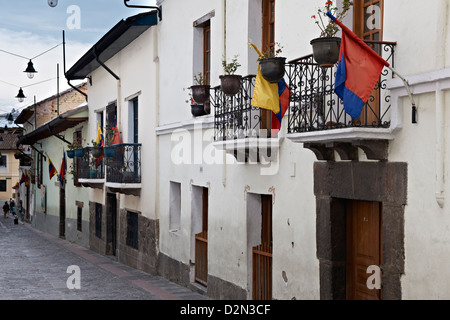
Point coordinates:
[(136, 66), (422, 34)]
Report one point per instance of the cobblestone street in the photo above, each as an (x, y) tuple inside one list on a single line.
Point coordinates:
[(34, 266)]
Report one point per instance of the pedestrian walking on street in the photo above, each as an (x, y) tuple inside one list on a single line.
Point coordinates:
[(20, 210), (5, 210), (12, 205)]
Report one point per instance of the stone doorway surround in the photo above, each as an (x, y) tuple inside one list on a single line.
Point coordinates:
[(336, 182)]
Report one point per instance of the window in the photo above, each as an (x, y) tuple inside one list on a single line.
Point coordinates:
[(368, 25), (3, 185), (132, 230), (207, 53), (3, 161), (368, 21), (98, 220), (175, 206)]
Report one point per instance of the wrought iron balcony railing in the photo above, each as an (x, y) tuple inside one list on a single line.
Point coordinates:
[(235, 117), (123, 163), (90, 167), (314, 105)]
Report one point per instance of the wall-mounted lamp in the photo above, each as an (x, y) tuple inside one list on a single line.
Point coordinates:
[(30, 70), (20, 96)]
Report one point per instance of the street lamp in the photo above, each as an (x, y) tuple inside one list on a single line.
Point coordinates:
[(30, 70), (10, 118), (20, 96)]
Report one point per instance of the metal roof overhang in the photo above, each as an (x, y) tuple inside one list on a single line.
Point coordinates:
[(65, 121), (121, 35)]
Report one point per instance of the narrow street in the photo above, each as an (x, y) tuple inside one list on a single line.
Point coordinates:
[(35, 267)]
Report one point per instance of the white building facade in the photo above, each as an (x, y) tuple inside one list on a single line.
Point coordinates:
[(222, 203)]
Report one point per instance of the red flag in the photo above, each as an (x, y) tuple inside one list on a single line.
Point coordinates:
[(62, 172), (358, 71)]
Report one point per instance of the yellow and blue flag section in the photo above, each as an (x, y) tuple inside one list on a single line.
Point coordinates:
[(265, 94), (358, 71), (100, 140), (16, 186), (51, 168), (284, 95)]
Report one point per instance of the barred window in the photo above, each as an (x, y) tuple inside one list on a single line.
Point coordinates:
[(132, 230)]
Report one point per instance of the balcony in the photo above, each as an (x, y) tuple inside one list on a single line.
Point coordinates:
[(317, 118), (91, 170), (123, 168), (241, 129)]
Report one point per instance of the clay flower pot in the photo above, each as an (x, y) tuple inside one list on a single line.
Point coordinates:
[(326, 51)]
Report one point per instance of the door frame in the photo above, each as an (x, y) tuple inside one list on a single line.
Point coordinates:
[(334, 183)]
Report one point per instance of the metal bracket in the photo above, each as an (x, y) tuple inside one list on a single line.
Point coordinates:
[(57, 135), (159, 9)]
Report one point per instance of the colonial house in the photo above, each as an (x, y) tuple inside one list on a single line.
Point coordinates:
[(123, 71), (55, 206), (335, 197), (217, 195)]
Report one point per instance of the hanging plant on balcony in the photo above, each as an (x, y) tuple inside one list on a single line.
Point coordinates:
[(230, 83), (97, 150), (326, 48), (197, 110), (18, 155), (200, 91), (75, 150), (272, 66)]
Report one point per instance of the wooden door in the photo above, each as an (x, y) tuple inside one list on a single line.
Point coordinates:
[(111, 220), (363, 247), (201, 244), (62, 211), (262, 254)]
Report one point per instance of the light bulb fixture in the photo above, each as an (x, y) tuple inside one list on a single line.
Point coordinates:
[(30, 70), (20, 96)]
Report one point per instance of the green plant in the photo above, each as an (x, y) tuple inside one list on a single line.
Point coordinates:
[(272, 52), (76, 144), (230, 68), (330, 28), (199, 79)]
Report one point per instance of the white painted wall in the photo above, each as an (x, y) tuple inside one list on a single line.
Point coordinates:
[(136, 66)]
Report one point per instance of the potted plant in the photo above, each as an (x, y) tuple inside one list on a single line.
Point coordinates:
[(97, 150), (196, 109), (230, 83), (18, 155), (326, 48), (200, 91), (272, 66), (75, 150)]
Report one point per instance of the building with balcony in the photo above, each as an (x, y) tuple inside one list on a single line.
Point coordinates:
[(123, 70), (248, 212), (60, 208)]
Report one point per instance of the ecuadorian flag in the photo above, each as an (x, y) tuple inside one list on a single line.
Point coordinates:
[(358, 71), (51, 168)]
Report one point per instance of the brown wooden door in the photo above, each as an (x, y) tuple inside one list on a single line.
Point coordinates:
[(201, 244), (262, 254), (62, 211), (363, 247)]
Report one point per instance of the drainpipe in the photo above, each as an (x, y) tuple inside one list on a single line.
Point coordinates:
[(224, 53), (440, 146), (119, 98), (440, 120)]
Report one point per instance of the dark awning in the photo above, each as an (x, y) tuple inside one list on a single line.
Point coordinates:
[(65, 121), (121, 35)]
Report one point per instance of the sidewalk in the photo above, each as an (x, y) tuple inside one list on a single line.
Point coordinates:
[(36, 266)]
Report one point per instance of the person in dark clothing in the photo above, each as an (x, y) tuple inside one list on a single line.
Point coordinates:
[(6, 210)]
